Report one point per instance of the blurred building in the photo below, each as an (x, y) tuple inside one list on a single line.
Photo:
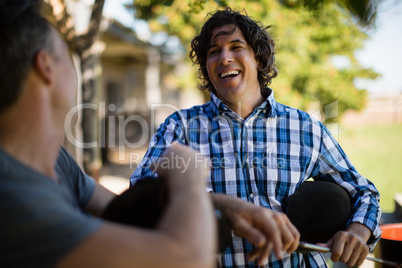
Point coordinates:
[(380, 110)]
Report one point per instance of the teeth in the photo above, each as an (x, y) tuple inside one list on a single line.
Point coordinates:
[(223, 75)]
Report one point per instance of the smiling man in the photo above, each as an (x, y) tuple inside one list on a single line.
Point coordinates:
[(232, 69), (261, 151)]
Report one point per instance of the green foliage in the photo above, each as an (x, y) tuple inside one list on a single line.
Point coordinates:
[(364, 10), (306, 40)]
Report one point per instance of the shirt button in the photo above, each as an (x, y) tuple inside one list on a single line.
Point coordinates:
[(251, 195)]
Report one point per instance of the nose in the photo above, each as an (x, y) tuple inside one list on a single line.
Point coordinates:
[(226, 57)]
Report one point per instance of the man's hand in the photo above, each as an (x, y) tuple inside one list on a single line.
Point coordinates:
[(184, 168), (266, 229), (350, 246)]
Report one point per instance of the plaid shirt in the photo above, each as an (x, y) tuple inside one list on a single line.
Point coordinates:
[(263, 159)]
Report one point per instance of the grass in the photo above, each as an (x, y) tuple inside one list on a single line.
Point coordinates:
[(376, 152)]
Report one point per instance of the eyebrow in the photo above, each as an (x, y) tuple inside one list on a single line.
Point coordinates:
[(231, 42)]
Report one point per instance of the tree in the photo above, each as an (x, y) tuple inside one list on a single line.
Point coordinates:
[(83, 46), (364, 10), (308, 35)]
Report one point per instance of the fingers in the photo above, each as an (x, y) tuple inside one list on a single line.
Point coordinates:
[(276, 233), (348, 248), (261, 253), (289, 234), (266, 229), (265, 252), (361, 259), (253, 255), (244, 229), (293, 238), (280, 235)]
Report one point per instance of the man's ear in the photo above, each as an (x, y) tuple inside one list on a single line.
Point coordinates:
[(43, 65)]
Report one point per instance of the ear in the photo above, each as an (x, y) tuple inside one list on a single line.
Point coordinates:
[(43, 65)]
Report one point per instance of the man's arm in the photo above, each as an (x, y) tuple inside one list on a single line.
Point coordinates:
[(266, 229), (185, 237), (99, 200), (350, 246)]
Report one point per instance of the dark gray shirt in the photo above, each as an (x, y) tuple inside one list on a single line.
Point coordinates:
[(42, 220)]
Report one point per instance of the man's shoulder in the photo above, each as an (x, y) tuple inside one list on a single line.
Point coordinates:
[(283, 110), (204, 110), (66, 162)]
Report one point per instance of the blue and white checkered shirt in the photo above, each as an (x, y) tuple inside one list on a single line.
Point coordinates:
[(263, 159)]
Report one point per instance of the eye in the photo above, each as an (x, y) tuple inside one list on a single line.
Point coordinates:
[(212, 52)]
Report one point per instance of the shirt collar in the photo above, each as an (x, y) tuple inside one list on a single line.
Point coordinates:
[(271, 103), (222, 108), (268, 106)]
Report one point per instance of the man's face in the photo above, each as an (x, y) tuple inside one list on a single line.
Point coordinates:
[(231, 66), (65, 85)]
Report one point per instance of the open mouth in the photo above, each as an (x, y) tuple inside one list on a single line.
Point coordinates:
[(229, 74)]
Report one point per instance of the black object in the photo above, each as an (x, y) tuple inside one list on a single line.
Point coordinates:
[(390, 250), (143, 205), (390, 245), (319, 209)]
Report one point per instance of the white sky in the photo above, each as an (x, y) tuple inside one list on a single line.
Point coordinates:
[(382, 52), (116, 10)]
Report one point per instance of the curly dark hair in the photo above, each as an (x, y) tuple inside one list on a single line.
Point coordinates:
[(256, 36)]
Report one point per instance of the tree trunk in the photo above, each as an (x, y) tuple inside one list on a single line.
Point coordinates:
[(91, 87)]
